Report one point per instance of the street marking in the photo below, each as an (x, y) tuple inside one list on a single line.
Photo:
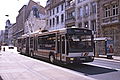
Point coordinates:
[(103, 66), (67, 70), (107, 59)]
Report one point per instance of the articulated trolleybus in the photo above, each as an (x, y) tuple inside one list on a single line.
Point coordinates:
[(69, 45)]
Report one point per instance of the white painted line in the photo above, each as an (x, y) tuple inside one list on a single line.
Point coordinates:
[(108, 59), (103, 66)]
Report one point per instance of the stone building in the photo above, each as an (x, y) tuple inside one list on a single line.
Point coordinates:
[(20, 21), (7, 26), (109, 21), (86, 14), (36, 20), (2, 36), (70, 13), (23, 15), (11, 34), (55, 10)]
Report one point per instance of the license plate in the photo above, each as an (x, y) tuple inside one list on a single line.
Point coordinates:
[(82, 58)]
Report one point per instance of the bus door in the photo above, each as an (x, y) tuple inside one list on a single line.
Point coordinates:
[(27, 46), (31, 45), (60, 47), (63, 48)]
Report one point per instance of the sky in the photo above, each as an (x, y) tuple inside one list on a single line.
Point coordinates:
[(11, 8)]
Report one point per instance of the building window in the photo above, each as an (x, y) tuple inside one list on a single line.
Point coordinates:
[(71, 15), (62, 7), (93, 7), (80, 12), (114, 9), (53, 11), (50, 22), (53, 21), (86, 24), (86, 10), (57, 20), (35, 11), (50, 12), (62, 18), (58, 9), (80, 24), (107, 11), (93, 25), (79, 1), (47, 22)]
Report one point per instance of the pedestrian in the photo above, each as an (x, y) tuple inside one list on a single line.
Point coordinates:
[(111, 50)]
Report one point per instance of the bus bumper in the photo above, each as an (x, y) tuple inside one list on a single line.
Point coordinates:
[(80, 59)]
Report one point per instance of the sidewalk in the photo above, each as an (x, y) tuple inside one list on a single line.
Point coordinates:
[(114, 57), (14, 66)]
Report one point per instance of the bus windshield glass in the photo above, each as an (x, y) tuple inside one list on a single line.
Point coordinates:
[(80, 43)]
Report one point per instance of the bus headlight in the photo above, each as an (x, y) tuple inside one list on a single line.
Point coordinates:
[(71, 59)]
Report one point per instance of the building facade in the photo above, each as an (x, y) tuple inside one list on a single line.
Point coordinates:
[(2, 36), (20, 21), (86, 14), (55, 10), (70, 18), (11, 34), (23, 15), (8, 25), (36, 20), (109, 21)]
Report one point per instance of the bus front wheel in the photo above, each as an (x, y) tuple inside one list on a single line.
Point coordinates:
[(52, 58), (31, 53)]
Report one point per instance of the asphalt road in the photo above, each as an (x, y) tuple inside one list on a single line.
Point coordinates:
[(100, 69)]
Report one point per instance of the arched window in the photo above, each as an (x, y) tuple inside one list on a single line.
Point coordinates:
[(35, 11)]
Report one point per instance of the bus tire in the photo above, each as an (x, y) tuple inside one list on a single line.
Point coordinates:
[(31, 53), (52, 58)]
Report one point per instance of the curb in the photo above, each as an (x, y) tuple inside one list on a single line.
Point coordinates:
[(113, 57)]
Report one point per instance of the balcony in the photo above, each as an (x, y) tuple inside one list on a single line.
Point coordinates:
[(70, 20), (70, 5), (110, 20)]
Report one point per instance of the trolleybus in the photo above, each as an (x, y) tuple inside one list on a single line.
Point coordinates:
[(69, 45)]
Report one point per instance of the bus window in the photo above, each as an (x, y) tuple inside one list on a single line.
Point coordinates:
[(31, 42), (63, 45), (79, 43), (47, 42)]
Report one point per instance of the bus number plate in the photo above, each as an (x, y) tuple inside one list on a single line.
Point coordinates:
[(82, 58)]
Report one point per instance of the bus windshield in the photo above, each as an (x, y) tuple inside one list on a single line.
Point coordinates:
[(80, 43)]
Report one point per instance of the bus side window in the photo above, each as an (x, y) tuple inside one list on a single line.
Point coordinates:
[(63, 44)]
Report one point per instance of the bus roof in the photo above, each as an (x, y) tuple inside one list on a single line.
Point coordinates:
[(70, 30)]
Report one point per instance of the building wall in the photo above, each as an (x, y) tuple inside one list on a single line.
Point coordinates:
[(34, 24), (2, 36), (70, 13), (24, 13), (11, 34), (8, 25), (52, 15), (86, 14), (20, 20), (109, 17)]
